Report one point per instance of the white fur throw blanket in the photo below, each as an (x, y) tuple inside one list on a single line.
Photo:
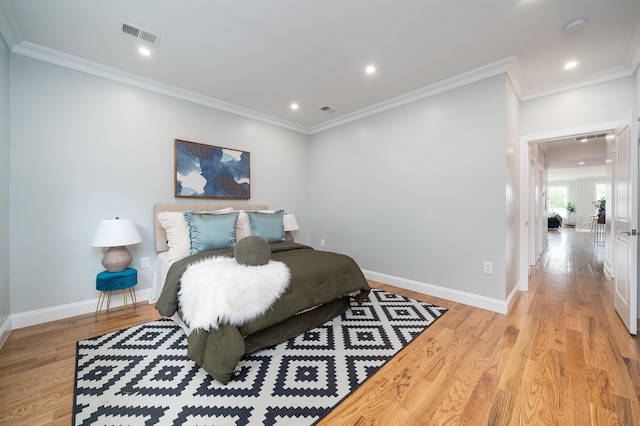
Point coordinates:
[(219, 290)]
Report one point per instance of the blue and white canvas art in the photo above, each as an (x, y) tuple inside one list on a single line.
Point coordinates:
[(206, 171)]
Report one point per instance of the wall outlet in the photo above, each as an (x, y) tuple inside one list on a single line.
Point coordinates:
[(487, 267), (321, 242), (144, 262)]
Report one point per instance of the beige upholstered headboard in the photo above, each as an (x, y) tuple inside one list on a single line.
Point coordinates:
[(160, 233)]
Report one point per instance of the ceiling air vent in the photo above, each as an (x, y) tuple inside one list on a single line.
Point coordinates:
[(585, 138), (327, 109), (139, 33)]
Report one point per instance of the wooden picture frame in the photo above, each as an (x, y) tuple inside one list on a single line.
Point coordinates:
[(207, 171)]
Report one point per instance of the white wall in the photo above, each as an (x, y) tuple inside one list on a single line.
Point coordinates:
[(585, 190), (637, 91), (601, 103), (4, 186), (634, 116), (418, 192), (512, 155), (84, 148)]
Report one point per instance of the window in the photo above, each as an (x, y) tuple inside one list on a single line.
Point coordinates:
[(601, 191), (558, 200)]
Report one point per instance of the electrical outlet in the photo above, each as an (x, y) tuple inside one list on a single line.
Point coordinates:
[(321, 242), (487, 267), (144, 262)]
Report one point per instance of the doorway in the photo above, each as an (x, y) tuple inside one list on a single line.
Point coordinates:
[(530, 144), (534, 182), (577, 180)]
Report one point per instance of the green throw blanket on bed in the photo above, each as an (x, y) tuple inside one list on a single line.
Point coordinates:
[(317, 278)]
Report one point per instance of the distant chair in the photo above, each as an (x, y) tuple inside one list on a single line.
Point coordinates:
[(586, 223)]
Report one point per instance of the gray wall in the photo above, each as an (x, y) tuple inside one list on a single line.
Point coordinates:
[(84, 148), (4, 183), (418, 192), (424, 192)]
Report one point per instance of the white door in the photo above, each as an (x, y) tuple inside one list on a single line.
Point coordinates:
[(625, 223), (533, 206)]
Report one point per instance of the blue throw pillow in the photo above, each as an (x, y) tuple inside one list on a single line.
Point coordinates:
[(211, 231), (269, 226)]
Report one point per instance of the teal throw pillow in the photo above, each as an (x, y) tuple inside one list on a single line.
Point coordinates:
[(211, 231), (269, 226)]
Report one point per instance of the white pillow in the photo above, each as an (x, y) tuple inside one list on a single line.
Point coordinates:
[(178, 236), (243, 229)]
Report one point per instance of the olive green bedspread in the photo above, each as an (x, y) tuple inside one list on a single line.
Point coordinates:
[(317, 278)]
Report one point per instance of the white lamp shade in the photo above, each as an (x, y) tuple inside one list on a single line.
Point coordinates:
[(290, 223), (116, 232)]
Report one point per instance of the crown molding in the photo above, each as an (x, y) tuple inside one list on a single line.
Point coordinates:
[(632, 60), (473, 76), (509, 66), (514, 72), (9, 32), (590, 80), (56, 57)]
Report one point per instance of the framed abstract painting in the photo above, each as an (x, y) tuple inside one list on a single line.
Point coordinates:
[(206, 171)]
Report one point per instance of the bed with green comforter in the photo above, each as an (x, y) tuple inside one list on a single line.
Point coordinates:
[(320, 286)]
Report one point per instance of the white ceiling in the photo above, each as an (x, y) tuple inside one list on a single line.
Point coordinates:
[(577, 157), (259, 56)]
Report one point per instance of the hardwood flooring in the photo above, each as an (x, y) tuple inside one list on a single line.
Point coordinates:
[(561, 357)]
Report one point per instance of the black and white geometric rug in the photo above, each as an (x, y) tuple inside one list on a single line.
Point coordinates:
[(142, 376)]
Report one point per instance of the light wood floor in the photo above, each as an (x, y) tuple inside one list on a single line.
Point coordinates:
[(561, 357)]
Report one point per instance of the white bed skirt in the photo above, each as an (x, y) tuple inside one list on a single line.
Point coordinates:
[(160, 270)]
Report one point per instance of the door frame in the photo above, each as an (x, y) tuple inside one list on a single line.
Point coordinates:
[(525, 186), (625, 301)]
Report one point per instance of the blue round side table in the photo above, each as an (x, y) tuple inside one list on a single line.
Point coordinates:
[(108, 282)]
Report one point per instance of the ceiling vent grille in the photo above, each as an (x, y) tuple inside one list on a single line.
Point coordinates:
[(588, 137), (139, 33), (327, 109)]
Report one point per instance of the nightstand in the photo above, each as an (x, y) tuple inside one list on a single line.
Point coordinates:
[(108, 282)]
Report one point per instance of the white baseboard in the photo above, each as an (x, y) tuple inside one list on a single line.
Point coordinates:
[(513, 296), (482, 302), (54, 313), (5, 330)]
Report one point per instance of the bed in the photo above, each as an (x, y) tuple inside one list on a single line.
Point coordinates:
[(320, 287)]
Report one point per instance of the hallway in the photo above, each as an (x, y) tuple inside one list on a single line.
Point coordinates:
[(572, 252), (577, 337)]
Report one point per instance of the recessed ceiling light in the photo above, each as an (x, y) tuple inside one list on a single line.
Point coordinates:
[(144, 51), (570, 65), (371, 69), (294, 106), (581, 163)]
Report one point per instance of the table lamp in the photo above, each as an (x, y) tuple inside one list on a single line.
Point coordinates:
[(290, 224), (116, 234)]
